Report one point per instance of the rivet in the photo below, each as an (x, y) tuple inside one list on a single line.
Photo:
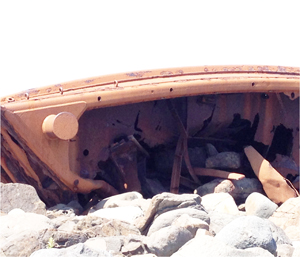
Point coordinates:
[(61, 90), (116, 83), (27, 96)]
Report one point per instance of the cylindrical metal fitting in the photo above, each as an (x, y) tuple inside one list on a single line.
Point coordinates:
[(63, 126)]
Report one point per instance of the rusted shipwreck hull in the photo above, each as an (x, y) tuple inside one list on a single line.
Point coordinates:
[(107, 135)]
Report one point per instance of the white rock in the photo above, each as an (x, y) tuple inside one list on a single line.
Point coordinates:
[(221, 202), (259, 205), (18, 221), (118, 200), (126, 213)]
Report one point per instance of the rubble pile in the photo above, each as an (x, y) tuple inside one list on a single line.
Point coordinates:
[(219, 219)]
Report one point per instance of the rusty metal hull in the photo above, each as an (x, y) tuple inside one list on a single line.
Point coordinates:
[(56, 138)]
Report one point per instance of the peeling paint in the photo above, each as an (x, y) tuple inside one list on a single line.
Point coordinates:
[(137, 74), (166, 73)]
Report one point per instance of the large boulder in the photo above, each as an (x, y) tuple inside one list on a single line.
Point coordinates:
[(207, 246), (21, 196), (248, 231), (259, 205)]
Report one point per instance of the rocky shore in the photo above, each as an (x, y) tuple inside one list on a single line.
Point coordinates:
[(222, 218)]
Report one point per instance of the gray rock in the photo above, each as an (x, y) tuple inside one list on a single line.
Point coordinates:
[(20, 244), (222, 202), (207, 246), (134, 245), (74, 251), (211, 150), (238, 189), (279, 234), (284, 250), (219, 220), (224, 160), (259, 205), (21, 196), (248, 231), (168, 240), (165, 202), (244, 187), (126, 213), (111, 244), (94, 227), (166, 219), (60, 210)]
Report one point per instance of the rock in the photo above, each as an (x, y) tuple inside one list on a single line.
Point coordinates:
[(224, 160), (293, 232), (288, 214), (207, 246), (18, 221), (63, 239), (287, 217), (134, 245), (190, 223), (144, 255), (167, 218), (259, 205), (22, 233), (168, 240), (21, 196), (154, 186), (114, 201), (248, 231), (165, 202), (222, 202), (95, 226), (211, 150), (111, 244), (279, 235), (242, 207), (238, 189), (244, 187), (127, 213), (284, 250), (219, 220), (20, 244), (69, 210), (76, 250), (296, 252)]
